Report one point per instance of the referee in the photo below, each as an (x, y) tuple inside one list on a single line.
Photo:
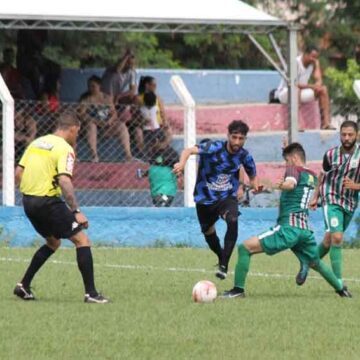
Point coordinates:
[(44, 174)]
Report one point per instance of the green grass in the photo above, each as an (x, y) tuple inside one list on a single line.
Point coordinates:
[(152, 315)]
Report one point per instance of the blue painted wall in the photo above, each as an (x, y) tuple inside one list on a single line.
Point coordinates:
[(144, 226), (207, 86)]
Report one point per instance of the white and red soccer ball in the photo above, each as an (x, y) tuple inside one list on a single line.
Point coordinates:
[(204, 292)]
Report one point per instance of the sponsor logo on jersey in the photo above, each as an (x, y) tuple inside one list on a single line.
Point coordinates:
[(70, 161), (74, 225), (222, 183)]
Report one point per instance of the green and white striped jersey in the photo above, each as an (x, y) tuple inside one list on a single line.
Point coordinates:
[(294, 204), (337, 166)]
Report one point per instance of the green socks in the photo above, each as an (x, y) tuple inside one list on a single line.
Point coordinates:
[(322, 250), (336, 260), (242, 266), (328, 275)]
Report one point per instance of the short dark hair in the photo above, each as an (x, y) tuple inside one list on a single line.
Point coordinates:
[(66, 120), (149, 99), (311, 47), (144, 80), (294, 148), (238, 126), (349, 123), (95, 79)]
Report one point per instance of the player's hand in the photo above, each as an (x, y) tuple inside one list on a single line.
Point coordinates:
[(240, 193), (178, 169), (257, 189), (82, 220), (313, 203), (349, 184)]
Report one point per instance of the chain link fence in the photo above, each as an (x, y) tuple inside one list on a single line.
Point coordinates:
[(124, 158)]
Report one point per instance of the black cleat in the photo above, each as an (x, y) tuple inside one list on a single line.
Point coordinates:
[(23, 293), (221, 273), (233, 293), (344, 292), (302, 274), (98, 299)]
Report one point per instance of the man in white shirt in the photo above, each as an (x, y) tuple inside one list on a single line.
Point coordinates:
[(308, 66)]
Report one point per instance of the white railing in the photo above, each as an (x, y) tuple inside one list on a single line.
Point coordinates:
[(189, 136), (8, 145)]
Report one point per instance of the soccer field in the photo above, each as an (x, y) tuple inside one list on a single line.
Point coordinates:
[(152, 316)]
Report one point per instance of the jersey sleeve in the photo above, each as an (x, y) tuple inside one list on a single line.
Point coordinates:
[(326, 164), (65, 161), (24, 158), (249, 165), (207, 147), (292, 174)]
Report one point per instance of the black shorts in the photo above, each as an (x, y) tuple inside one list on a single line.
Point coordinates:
[(209, 214), (50, 216)]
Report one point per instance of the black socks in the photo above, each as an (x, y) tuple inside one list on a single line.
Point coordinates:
[(85, 264), (214, 244), (37, 262), (229, 242)]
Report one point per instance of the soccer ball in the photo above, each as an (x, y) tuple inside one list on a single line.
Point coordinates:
[(204, 292)]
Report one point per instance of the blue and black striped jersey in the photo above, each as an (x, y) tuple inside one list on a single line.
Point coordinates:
[(218, 172)]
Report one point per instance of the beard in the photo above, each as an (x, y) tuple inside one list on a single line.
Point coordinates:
[(347, 145), (234, 148)]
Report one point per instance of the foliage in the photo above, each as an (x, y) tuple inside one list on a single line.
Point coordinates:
[(340, 84)]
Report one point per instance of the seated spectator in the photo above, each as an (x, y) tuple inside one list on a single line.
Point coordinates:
[(25, 131), (163, 181), (98, 111), (308, 66), (11, 75), (151, 116), (119, 80)]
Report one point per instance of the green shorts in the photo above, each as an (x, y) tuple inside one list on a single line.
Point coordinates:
[(337, 219), (282, 237)]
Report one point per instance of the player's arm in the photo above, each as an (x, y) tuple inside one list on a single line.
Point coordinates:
[(351, 184), (68, 192), (18, 175), (250, 169), (186, 153), (291, 179)]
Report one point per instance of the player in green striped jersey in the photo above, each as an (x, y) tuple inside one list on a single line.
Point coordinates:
[(339, 184), (292, 230)]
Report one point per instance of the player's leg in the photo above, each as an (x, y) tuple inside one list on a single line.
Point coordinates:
[(270, 242), (23, 288), (207, 218), (228, 210), (85, 263)]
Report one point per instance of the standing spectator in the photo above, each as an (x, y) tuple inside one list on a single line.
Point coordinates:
[(25, 131), (11, 75), (98, 111), (119, 80), (308, 66), (152, 113)]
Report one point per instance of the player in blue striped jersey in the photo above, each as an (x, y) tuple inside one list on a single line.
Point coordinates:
[(218, 187)]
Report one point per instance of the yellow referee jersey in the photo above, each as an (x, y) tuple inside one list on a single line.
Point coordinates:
[(44, 160)]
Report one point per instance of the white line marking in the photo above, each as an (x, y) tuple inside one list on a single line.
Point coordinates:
[(171, 269)]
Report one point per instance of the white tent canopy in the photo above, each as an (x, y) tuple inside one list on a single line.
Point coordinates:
[(135, 15)]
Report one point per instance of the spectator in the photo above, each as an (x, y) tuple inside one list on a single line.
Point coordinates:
[(308, 66), (119, 80), (98, 111), (151, 118), (11, 75), (163, 182), (25, 131)]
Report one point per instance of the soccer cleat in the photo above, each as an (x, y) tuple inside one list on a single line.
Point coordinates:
[(98, 299), (235, 292), (302, 274), (23, 293), (221, 273), (344, 292)]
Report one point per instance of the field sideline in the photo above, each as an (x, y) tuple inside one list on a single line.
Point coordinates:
[(152, 316)]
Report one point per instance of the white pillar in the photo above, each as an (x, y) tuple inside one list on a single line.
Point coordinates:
[(8, 151), (189, 136), (293, 86)]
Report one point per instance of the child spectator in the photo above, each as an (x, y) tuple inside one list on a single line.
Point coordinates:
[(163, 182)]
